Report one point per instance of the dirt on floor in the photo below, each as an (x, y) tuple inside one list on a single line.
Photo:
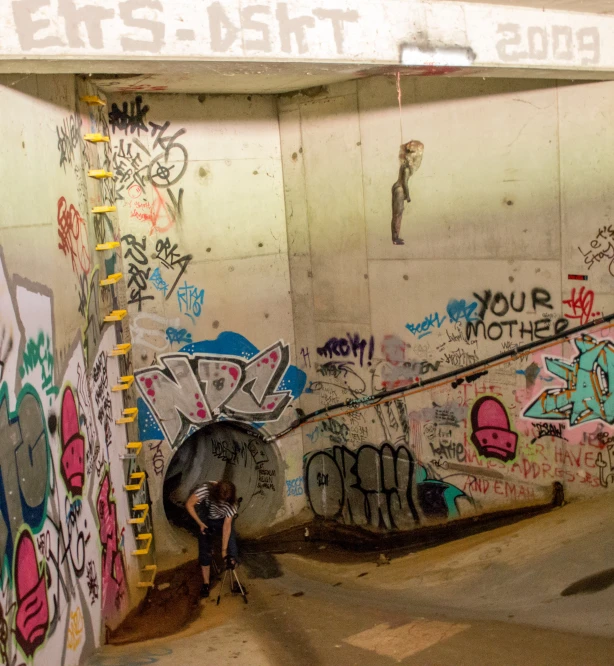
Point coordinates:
[(168, 607), (175, 596)]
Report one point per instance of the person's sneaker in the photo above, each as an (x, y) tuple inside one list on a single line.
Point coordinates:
[(204, 591)]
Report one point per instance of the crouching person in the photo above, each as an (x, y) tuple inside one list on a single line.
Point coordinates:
[(213, 507)]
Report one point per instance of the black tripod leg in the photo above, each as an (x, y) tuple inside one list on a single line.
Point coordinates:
[(219, 594)]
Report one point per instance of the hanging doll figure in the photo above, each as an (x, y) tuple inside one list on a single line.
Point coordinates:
[(411, 158)]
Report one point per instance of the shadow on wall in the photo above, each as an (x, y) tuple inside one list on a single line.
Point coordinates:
[(237, 454)]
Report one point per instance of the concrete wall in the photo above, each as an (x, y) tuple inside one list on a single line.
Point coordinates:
[(501, 218), (65, 545), (238, 317), (201, 207), (259, 276)]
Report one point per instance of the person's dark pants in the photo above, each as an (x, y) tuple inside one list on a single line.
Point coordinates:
[(205, 541)]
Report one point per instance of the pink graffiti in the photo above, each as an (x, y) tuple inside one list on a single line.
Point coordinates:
[(160, 215), (73, 236), (113, 567), (73, 445), (32, 617), (491, 434)]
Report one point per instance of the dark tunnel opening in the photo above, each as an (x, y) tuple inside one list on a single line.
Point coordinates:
[(235, 453)]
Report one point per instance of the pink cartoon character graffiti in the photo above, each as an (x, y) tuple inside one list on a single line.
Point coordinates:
[(73, 445), (32, 617), (492, 436)]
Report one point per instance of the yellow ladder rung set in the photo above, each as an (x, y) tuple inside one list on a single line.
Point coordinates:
[(144, 509), (132, 450), (114, 278), (93, 100), (100, 173), (148, 583), (136, 479), (121, 350), (139, 477), (125, 383), (147, 537), (130, 414), (135, 446), (116, 315), (111, 245), (96, 138)]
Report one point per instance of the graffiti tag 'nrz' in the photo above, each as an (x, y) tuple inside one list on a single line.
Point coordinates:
[(197, 388)]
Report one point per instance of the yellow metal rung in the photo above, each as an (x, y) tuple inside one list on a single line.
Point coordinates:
[(135, 446), (125, 383), (129, 416), (99, 173), (143, 537), (111, 279), (144, 508), (93, 100), (121, 350), (116, 315), (96, 138), (101, 247), (104, 209), (135, 476), (148, 583)]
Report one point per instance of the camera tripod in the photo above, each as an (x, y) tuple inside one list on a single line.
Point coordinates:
[(233, 575)]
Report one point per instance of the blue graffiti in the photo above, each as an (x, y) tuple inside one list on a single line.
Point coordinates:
[(437, 498), (148, 426), (588, 394), (191, 300), (158, 281), (461, 310), (427, 325), (179, 336)]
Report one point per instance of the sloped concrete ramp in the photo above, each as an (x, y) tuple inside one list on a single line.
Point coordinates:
[(495, 598)]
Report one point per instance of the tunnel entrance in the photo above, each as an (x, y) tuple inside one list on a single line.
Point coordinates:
[(235, 453)]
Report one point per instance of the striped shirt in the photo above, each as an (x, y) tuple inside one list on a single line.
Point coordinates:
[(214, 510)]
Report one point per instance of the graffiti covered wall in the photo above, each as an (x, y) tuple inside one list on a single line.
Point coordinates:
[(67, 572), (482, 259), (208, 293), (241, 314), (62, 537), (339, 312), (498, 441)]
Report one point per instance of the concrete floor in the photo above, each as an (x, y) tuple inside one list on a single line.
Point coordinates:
[(492, 599)]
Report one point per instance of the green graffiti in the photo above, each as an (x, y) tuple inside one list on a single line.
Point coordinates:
[(588, 394), (39, 353)]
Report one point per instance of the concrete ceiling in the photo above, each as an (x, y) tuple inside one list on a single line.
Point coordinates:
[(585, 6), (245, 77), (231, 78)]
